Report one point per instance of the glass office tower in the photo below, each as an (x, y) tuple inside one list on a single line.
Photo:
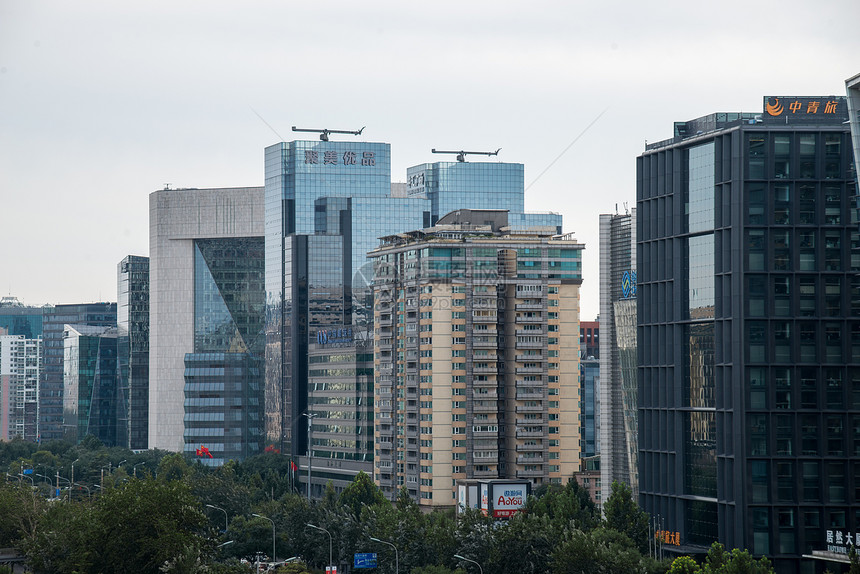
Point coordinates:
[(749, 331), (20, 319), (91, 404), (133, 349), (617, 403), (326, 205), (477, 185), (224, 373), (54, 320)]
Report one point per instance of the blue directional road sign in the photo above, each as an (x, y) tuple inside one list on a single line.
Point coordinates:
[(364, 560)]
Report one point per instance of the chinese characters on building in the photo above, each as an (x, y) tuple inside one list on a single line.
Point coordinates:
[(801, 106), (839, 541), (330, 336), (415, 180), (367, 158), (667, 537)]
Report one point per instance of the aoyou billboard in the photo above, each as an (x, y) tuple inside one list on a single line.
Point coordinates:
[(508, 498)]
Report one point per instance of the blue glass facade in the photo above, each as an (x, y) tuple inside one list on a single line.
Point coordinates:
[(90, 402), (590, 377), (476, 185), (17, 319), (224, 376), (326, 205)]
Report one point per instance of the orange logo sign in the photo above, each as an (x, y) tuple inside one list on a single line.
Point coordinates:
[(774, 109)]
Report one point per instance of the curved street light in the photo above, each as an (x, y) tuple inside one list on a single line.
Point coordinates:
[(225, 514), (47, 478), (329, 541), (464, 559), (396, 557), (134, 468), (274, 559)]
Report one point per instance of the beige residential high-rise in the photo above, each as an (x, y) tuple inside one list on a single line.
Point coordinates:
[(476, 350)]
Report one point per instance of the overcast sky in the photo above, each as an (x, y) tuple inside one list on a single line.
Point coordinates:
[(103, 102)]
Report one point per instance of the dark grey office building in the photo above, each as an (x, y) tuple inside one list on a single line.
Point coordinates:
[(51, 385), (749, 332)]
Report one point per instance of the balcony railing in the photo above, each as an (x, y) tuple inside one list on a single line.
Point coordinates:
[(529, 473), (529, 460), (530, 409)]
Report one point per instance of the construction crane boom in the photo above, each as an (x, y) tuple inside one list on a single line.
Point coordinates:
[(461, 155), (324, 132)]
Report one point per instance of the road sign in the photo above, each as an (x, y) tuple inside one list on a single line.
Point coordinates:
[(364, 560)]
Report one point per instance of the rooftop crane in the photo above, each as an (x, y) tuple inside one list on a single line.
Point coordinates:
[(324, 132), (461, 155)]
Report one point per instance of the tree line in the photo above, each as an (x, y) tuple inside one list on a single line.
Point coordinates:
[(160, 512)]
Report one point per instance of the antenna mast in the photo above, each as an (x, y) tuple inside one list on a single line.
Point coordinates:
[(324, 132), (461, 155)]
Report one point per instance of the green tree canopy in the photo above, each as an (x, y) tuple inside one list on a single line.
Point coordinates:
[(738, 561), (624, 515), (566, 505), (595, 552), (361, 491)]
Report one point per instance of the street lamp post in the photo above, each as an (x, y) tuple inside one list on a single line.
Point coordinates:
[(396, 557), (108, 466), (274, 559), (329, 541), (134, 468), (464, 559), (59, 478), (73, 470), (120, 462), (89, 494), (222, 510)]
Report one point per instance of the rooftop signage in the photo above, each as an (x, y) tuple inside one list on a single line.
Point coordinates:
[(822, 108)]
